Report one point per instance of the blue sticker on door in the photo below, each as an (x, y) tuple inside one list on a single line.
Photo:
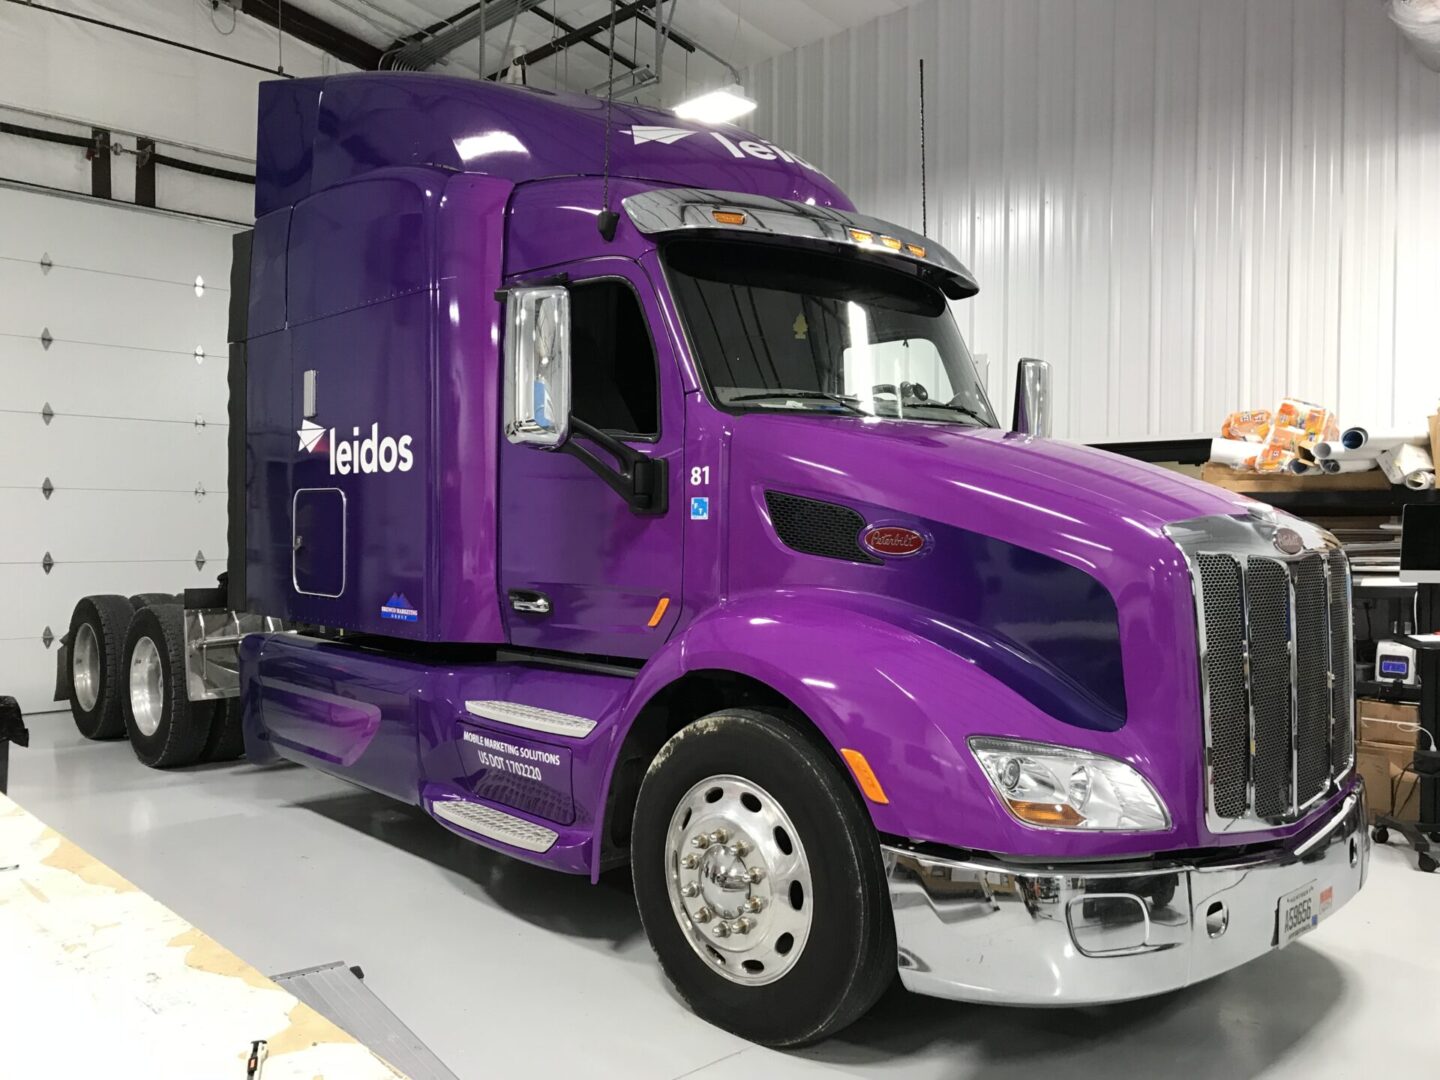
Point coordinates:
[(699, 508)]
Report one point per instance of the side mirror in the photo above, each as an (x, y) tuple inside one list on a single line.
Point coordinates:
[(537, 365), (1032, 398)]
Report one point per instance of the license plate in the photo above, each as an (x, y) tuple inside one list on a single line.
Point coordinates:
[(1299, 913)]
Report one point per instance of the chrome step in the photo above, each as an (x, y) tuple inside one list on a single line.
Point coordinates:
[(495, 824), (532, 717)]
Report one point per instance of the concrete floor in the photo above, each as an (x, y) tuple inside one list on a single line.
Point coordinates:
[(510, 971)]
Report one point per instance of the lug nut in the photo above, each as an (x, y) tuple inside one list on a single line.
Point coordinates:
[(702, 915), (721, 930), (690, 889), (700, 840), (690, 862), (719, 836), (756, 875), (741, 925), (738, 850), (754, 904)]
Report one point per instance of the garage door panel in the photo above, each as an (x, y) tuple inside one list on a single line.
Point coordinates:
[(126, 242), (99, 526), (79, 452), (109, 309), (101, 381)]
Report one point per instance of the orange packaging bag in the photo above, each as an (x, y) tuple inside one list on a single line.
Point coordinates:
[(1251, 425)]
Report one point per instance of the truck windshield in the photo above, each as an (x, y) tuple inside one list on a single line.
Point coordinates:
[(781, 328)]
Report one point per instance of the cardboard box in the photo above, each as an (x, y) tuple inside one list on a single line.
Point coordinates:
[(1257, 484), (1388, 723), (1435, 438), (1388, 782)]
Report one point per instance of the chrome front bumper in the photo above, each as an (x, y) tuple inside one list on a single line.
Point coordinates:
[(982, 930)]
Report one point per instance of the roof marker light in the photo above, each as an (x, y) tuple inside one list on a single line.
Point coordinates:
[(860, 236), (916, 250), (718, 106), (728, 217), (890, 242)]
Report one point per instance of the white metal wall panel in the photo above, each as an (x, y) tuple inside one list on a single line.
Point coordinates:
[(1188, 207), (135, 450)]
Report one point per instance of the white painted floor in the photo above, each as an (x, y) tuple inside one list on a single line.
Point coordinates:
[(509, 971)]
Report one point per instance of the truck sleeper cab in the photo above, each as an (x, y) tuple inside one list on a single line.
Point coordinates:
[(690, 540)]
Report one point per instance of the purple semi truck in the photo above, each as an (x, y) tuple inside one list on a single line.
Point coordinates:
[(608, 487)]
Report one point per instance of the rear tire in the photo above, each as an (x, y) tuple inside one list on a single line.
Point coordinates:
[(152, 599), (797, 858), (166, 728), (96, 653), (227, 738)]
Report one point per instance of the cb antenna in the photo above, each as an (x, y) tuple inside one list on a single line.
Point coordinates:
[(608, 219), (923, 230)]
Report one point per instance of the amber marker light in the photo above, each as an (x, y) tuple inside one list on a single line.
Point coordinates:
[(891, 243), (860, 236), (916, 250), (865, 776), (659, 613), (728, 217)]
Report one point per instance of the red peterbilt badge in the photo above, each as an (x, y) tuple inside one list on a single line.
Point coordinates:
[(893, 541)]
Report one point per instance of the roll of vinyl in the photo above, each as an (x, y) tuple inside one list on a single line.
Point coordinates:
[(1384, 438), (1334, 451), (1299, 466), (1232, 451), (1344, 465), (1420, 481), (1404, 461)]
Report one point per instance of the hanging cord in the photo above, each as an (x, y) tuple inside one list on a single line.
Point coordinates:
[(924, 229), (280, 37), (608, 219)]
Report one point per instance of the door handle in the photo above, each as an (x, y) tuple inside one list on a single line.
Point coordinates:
[(531, 603)]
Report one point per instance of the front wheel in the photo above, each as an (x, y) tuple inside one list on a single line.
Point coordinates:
[(759, 880)]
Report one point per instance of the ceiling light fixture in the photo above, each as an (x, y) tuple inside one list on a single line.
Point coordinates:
[(718, 106)]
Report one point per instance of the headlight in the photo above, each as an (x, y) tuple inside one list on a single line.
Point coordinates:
[(1060, 788)]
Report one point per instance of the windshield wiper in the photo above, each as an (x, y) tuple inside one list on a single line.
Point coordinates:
[(812, 394), (963, 410)]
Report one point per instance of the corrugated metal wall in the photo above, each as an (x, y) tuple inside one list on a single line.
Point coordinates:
[(1188, 206)]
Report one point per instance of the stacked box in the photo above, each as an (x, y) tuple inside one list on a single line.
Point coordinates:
[(1383, 755)]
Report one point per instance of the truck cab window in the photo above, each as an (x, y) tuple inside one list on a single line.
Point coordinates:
[(615, 379)]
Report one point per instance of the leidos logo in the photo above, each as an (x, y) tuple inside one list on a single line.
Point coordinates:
[(370, 454), (751, 148)]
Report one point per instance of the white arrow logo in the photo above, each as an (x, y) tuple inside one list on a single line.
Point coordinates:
[(642, 134), (310, 434)]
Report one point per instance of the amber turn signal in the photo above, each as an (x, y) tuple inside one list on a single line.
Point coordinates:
[(1042, 813), (865, 776)]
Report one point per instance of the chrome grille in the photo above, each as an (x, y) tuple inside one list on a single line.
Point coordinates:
[(1276, 668)]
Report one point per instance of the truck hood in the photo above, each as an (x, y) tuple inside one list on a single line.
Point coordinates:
[(907, 465)]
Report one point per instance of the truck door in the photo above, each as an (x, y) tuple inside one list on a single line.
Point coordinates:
[(580, 571)]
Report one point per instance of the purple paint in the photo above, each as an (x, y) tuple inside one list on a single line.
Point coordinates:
[(390, 211)]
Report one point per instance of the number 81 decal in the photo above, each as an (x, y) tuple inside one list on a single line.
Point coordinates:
[(700, 504)]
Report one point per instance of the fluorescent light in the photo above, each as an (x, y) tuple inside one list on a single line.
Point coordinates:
[(717, 107)]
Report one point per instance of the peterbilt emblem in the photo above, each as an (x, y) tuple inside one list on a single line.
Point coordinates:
[(1289, 542), (892, 541)]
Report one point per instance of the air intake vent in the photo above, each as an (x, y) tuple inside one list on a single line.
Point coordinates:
[(817, 528)]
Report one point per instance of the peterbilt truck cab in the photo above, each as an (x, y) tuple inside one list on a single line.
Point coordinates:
[(609, 487)]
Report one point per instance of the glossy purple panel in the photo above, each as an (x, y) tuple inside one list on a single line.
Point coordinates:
[(267, 273), (373, 121), (566, 534), (467, 403), (515, 771)]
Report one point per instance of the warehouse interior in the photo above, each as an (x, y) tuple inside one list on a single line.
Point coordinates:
[(648, 663)]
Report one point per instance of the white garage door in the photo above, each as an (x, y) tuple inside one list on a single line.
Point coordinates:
[(106, 404)]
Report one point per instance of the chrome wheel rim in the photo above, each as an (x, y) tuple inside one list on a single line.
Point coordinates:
[(147, 689), (85, 667), (739, 880)]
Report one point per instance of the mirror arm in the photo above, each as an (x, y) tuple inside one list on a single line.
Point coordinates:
[(642, 481)]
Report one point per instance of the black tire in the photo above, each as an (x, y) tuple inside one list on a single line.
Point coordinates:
[(1380, 835), (180, 727), (152, 599), (227, 739), (849, 958), (101, 622)]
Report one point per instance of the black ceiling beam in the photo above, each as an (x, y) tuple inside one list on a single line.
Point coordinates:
[(678, 39), (567, 29), (315, 31), (621, 14)]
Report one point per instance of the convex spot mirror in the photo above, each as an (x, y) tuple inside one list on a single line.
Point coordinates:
[(537, 365)]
